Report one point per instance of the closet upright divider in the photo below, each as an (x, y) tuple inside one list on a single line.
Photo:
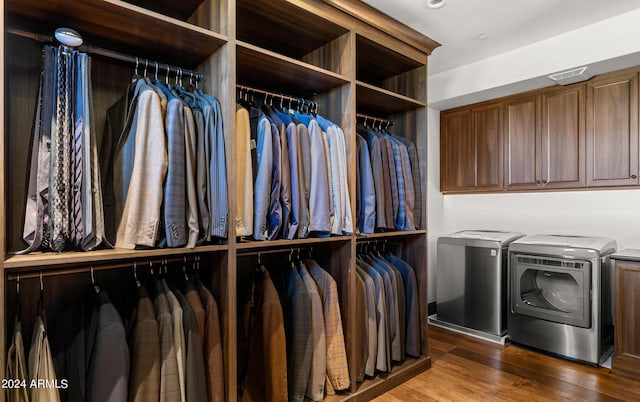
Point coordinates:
[(342, 54)]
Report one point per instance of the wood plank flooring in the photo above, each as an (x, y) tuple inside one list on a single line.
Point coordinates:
[(468, 369)]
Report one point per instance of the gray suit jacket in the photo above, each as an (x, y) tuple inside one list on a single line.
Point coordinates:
[(108, 377), (141, 166), (319, 211), (372, 333), (317, 375), (262, 185), (175, 209), (298, 329)]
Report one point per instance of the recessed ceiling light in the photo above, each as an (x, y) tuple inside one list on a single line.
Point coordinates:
[(435, 3), (482, 36)]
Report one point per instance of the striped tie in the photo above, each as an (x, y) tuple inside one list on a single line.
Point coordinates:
[(78, 226)]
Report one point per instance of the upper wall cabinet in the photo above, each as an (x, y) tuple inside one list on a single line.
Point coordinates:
[(545, 140), (522, 136), (562, 135), (471, 149), (457, 172), (585, 135), (612, 130)]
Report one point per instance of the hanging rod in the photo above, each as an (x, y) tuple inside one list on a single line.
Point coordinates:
[(144, 262), (280, 250), (275, 95), (112, 54), (375, 119)]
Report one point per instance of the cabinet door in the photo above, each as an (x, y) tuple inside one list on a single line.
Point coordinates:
[(626, 358), (612, 131), (487, 129), (563, 148), (457, 151), (522, 150)]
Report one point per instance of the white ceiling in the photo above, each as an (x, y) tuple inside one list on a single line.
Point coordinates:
[(510, 24)]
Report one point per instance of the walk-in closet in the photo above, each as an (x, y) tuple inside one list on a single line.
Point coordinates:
[(359, 69)]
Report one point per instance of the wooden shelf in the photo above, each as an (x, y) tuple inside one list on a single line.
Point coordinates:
[(262, 245), (274, 25), (268, 70), (371, 388), (375, 63), (41, 259), (383, 235), (381, 102), (181, 10), (123, 27)]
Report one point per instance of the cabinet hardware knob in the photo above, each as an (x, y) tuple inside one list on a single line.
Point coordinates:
[(538, 181), (634, 176), (544, 181)]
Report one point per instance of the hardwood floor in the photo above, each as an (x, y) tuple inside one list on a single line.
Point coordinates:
[(468, 369)]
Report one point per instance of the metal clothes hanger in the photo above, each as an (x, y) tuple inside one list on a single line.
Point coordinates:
[(93, 280), (184, 268), (135, 275)]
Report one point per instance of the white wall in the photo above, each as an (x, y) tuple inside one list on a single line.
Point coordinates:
[(611, 44), (609, 213), (605, 46)]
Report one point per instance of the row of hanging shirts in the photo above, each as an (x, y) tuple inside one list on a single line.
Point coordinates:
[(388, 181), (291, 172)]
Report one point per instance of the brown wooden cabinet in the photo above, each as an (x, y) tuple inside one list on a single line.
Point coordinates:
[(457, 145), (522, 137), (585, 135), (545, 140), (562, 138), (626, 357), (612, 130), (471, 149)]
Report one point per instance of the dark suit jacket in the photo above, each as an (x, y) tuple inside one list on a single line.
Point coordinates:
[(412, 305), (297, 310), (114, 125), (72, 334)]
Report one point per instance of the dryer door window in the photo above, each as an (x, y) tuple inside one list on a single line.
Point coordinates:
[(552, 289)]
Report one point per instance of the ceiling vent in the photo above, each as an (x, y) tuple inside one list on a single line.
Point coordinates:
[(571, 76)]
